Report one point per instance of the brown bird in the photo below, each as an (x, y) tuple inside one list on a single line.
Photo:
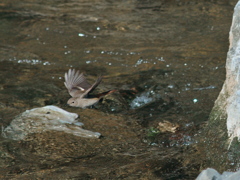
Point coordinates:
[(79, 89)]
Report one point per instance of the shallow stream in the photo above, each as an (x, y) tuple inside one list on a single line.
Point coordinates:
[(166, 59)]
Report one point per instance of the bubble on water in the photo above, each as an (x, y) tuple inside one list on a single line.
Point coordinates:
[(132, 53), (140, 61), (160, 59), (30, 61), (195, 100), (81, 34), (46, 63)]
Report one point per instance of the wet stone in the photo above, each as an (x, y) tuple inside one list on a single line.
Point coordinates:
[(48, 118)]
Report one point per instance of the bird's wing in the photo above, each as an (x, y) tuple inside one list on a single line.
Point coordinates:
[(97, 82), (76, 83)]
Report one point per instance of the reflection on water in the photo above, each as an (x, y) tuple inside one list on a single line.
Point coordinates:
[(166, 62)]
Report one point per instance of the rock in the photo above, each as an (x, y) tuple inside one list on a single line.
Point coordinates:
[(167, 126), (231, 176), (209, 174), (48, 118), (222, 133), (232, 83)]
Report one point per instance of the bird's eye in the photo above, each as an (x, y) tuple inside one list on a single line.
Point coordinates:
[(72, 102)]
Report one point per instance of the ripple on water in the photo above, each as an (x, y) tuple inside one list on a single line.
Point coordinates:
[(31, 61)]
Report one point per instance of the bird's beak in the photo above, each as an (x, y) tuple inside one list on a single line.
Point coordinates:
[(65, 105)]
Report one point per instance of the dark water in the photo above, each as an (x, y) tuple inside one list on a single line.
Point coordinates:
[(166, 58)]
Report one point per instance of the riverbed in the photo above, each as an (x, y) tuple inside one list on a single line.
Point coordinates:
[(165, 59)]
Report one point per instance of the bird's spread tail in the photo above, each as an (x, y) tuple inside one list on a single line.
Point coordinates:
[(105, 93)]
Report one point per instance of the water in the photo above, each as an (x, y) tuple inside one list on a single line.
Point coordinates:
[(172, 52)]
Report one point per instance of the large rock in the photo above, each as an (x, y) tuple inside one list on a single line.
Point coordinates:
[(223, 131), (48, 118), (231, 88)]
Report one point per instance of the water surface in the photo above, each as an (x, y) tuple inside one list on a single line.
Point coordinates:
[(166, 58)]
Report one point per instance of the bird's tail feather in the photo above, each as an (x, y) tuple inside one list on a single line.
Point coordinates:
[(105, 93)]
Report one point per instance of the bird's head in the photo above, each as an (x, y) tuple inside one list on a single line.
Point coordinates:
[(72, 102)]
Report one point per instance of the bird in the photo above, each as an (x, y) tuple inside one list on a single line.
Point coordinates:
[(78, 87)]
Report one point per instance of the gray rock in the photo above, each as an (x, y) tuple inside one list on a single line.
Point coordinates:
[(48, 118), (232, 83), (232, 176), (226, 108), (212, 174), (209, 174)]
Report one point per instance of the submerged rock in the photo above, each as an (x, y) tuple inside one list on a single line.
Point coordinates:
[(167, 126), (48, 118)]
